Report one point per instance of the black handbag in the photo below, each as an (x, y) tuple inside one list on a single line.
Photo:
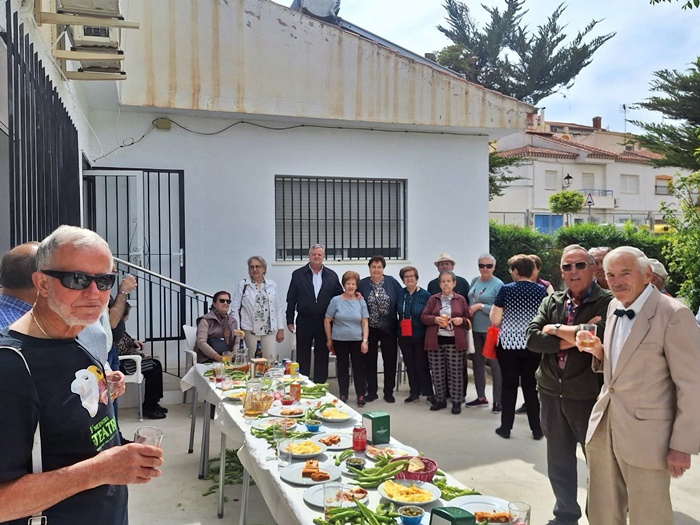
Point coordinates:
[(218, 344)]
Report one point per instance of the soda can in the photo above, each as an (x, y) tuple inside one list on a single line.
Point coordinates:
[(295, 391), (359, 438), (294, 369), (287, 367)]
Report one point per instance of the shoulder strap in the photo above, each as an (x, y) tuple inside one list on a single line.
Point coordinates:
[(240, 307), (36, 519)]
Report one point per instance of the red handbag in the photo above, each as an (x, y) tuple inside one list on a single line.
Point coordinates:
[(489, 350)]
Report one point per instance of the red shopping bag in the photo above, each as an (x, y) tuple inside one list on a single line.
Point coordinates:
[(489, 351)]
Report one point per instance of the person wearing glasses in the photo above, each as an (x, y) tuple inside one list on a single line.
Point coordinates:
[(216, 330), (513, 309), (48, 381), (409, 306), (567, 385), (259, 310), (482, 294)]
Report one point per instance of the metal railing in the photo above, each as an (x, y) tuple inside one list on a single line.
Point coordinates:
[(596, 192), (160, 306)]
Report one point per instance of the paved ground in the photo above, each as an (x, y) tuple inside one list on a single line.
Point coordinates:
[(465, 445)]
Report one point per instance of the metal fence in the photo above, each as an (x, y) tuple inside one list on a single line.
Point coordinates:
[(43, 159)]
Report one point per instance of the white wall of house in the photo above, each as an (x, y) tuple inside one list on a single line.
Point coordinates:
[(229, 188)]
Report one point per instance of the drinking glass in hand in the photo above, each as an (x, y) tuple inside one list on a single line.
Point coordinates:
[(148, 436), (587, 335)]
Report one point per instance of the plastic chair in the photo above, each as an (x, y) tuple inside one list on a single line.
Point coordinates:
[(191, 357), (136, 377)]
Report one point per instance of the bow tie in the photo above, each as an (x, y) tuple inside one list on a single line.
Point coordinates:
[(620, 312)]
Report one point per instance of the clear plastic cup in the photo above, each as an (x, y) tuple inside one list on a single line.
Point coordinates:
[(284, 452), (519, 513), (148, 436)]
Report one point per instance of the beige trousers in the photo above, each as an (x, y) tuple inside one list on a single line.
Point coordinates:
[(616, 489)]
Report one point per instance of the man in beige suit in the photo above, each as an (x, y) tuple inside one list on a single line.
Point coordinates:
[(646, 422)]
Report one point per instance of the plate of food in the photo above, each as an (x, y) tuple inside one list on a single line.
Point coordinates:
[(236, 394), (314, 496), (286, 411), (391, 450), (405, 491), (305, 448), (489, 509), (334, 415), (334, 441), (309, 473), (357, 463), (264, 424)]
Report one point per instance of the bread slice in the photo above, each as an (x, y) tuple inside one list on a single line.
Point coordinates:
[(320, 476), (310, 468)]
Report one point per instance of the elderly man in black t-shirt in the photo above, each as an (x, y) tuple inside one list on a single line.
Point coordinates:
[(51, 385)]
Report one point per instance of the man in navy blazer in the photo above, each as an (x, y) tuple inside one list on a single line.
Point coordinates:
[(310, 291)]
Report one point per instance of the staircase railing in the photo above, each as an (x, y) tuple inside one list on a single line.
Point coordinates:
[(160, 306)]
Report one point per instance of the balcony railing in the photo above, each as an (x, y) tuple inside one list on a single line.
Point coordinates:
[(596, 192)]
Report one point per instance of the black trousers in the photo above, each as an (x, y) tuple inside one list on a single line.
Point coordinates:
[(346, 352), (415, 358), (564, 423), (389, 355), (306, 336), (152, 379), (518, 368)]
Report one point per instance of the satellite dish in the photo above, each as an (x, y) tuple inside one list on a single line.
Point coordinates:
[(320, 8)]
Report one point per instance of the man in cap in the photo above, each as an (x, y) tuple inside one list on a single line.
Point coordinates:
[(18, 292), (644, 426), (52, 387), (659, 275), (445, 263)]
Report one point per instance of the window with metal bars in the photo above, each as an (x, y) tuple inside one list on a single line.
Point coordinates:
[(353, 218)]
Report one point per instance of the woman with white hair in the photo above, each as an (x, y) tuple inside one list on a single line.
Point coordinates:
[(258, 310)]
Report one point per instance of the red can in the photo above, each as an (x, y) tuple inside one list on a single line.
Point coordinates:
[(295, 391), (286, 367), (359, 438)]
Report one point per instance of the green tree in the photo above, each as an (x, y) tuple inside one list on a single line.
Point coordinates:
[(689, 4), (507, 57), (500, 172), (684, 247), (567, 202), (679, 101)]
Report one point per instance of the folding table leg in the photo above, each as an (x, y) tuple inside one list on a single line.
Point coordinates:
[(204, 454), (222, 476), (193, 422), (244, 497)]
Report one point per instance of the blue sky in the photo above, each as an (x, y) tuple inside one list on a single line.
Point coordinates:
[(649, 38)]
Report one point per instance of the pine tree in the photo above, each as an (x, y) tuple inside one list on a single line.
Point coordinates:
[(506, 57), (679, 101)]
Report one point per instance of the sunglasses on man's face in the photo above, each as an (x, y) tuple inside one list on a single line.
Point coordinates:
[(581, 265), (81, 281), (489, 266), (227, 301)]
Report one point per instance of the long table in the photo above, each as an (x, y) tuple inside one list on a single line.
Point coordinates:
[(284, 500)]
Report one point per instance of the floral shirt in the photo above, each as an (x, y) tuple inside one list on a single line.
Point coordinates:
[(261, 315), (378, 302)]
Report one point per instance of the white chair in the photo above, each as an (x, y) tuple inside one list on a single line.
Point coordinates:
[(191, 360), (136, 377)]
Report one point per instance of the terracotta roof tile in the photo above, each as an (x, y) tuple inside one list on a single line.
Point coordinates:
[(531, 151)]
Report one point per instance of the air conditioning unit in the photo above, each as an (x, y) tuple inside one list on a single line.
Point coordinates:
[(94, 36), (616, 203)]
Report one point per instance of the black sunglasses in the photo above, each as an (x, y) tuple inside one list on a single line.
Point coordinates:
[(227, 301), (81, 281), (489, 266), (581, 265)]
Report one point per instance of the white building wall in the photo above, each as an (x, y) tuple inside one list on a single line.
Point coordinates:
[(229, 188)]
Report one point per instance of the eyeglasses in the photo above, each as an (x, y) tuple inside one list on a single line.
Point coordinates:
[(410, 276), (81, 281), (227, 301), (489, 266), (581, 265), (254, 266)]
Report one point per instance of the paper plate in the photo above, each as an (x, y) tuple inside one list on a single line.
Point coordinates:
[(292, 474), (434, 491), (344, 443), (479, 503)]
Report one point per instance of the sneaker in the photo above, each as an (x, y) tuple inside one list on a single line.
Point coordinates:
[(389, 398), (456, 408), (504, 433), (361, 401), (430, 400), (522, 409), (477, 403), (343, 398), (371, 397), (410, 399), (438, 405), (497, 408)]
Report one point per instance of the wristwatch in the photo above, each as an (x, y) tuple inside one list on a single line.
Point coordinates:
[(556, 327)]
